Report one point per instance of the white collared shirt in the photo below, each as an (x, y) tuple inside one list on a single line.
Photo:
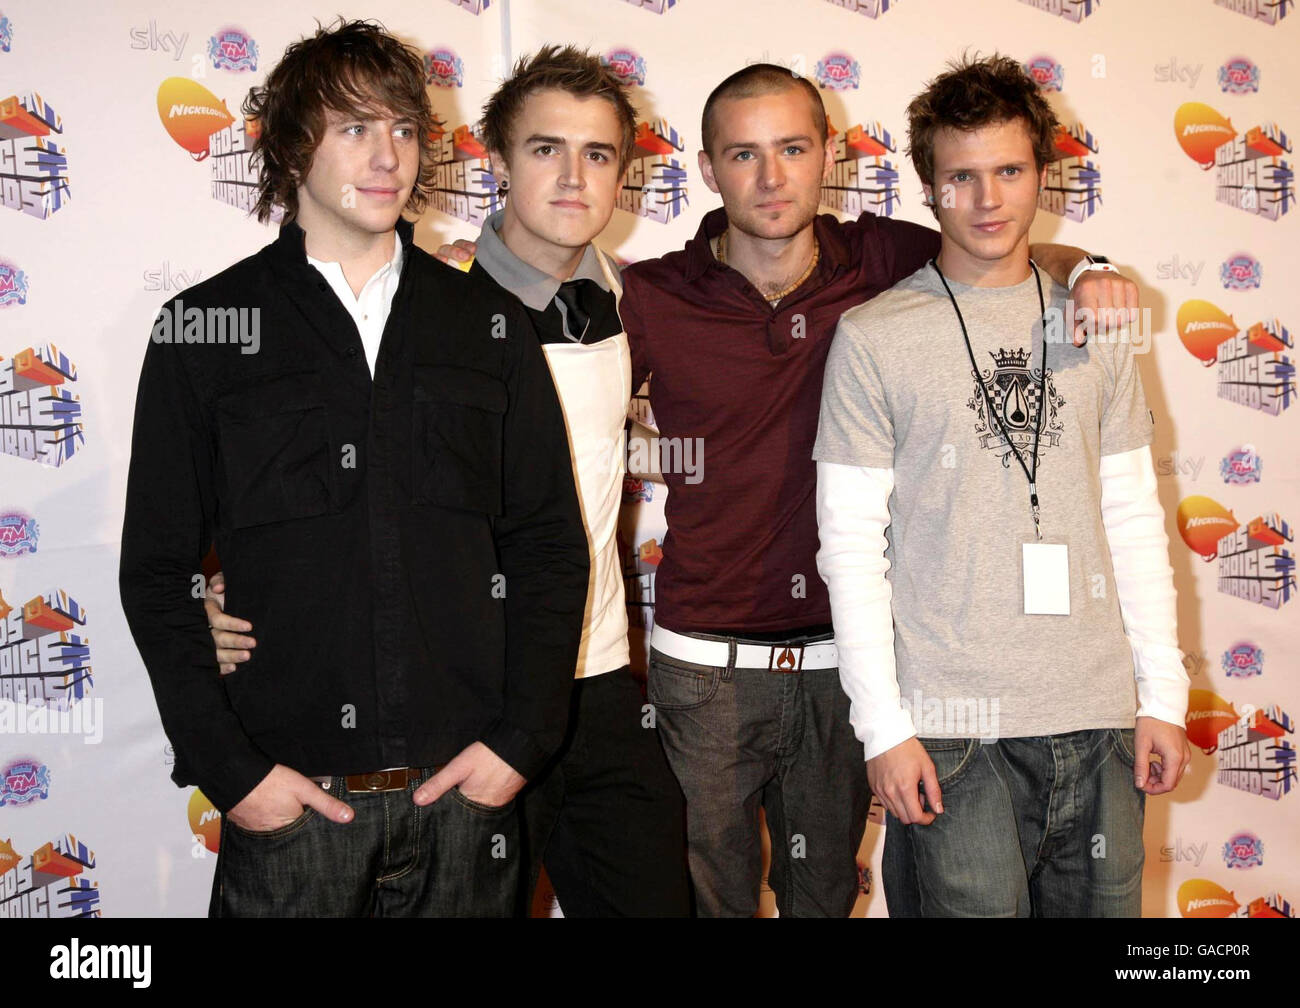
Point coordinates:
[(370, 309)]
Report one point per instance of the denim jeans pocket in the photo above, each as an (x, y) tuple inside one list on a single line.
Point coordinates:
[(479, 807), (672, 684), (1124, 745), (280, 832), (952, 757)]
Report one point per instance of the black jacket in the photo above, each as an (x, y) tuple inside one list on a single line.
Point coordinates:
[(409, 551)]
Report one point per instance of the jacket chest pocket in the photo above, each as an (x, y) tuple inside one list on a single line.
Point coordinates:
[(275, 452), (458, 418)]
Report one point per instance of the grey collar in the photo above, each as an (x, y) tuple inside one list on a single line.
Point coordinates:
[(525, 281)]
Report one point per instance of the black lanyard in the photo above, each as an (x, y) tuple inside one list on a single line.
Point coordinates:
[(1030, 474)]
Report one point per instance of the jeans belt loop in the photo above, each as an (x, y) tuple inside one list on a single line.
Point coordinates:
[(730, 670)]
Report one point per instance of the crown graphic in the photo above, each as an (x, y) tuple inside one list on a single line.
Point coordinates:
[(1008, 359)]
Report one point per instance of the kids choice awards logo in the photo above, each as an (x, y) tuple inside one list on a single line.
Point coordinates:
[(1268, 11), (13, 286), (1254, 366), (869, 8), (1243, 661), (654, 185), (1071, 10), (50, 882), (1255, 560), (1251, 750), (626, 65), (863, 179), (1073, 186), (40, 417), (1241, 272), (19, 534), (475, 7), (233, 50), (1254, 754), (443, 68), (640, 568), (1273, 905), (33, 163), (44, 660), (654, 6), (201, 123), (838, 72), (1251, 172), (1238, 76), (463, 184), (1045, 72)]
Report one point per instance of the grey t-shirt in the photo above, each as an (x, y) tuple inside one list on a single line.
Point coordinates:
[(899, 393)]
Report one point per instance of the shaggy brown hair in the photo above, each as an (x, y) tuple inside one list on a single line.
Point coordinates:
[(975, 93), (760, 79), (352, 68), (568, 69)]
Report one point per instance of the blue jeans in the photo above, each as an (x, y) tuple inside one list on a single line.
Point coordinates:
[(741, 739), (454, 858), (1047, 826)]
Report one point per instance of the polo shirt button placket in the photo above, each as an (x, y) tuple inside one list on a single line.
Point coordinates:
[(778, 334)]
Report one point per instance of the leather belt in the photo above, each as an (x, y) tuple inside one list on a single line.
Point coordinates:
[(774, 657), (394, 779)]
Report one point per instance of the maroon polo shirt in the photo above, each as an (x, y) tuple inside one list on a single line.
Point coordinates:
[(746, 379)]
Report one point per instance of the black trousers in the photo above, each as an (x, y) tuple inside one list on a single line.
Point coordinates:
[(606, 815)]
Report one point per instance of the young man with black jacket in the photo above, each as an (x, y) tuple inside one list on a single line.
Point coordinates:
[(379, 456), (606, 815)]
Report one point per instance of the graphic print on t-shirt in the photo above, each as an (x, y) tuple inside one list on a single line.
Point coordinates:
[(1013, 388)]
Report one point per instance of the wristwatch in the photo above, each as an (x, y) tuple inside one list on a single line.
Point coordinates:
[(1089, 263)]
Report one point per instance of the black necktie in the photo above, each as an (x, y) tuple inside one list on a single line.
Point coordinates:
[(572, 294)]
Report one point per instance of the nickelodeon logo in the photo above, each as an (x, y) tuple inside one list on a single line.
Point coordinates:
[(205, 821), (1202, 326), (1200, 130), (1207, 715), (1203, 898), (190, 114), (1202, 522)]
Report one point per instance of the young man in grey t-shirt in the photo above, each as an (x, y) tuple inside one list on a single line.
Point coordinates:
[(994, 548)]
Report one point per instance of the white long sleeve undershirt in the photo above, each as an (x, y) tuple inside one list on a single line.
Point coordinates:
[(852, 515)]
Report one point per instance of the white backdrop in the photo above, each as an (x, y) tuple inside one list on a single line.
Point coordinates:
[(106, 213)]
